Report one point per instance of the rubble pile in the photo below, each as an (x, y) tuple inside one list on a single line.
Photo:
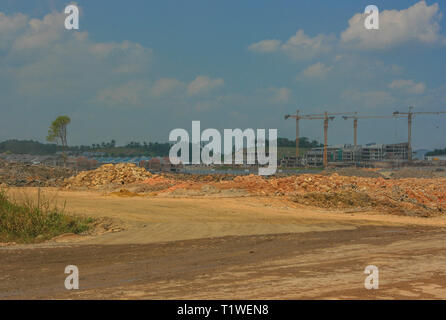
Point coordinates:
[(109, 175), (408, 194), (419, 195), (15, 174)]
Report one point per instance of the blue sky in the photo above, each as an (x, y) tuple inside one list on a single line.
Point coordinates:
[(137, 69)]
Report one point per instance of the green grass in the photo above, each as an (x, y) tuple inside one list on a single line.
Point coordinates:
[(31, 223)]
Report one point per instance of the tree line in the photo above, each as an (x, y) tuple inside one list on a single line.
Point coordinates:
[(437, 152), (110, 148), (57, 132)]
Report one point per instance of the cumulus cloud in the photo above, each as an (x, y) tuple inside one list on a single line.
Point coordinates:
[(203, 84), (316, 71), (418, 23), (302, 46), (280, 95), (44, 60), (11, 27), (143, 93), (408, 86), (41, 33), (299, 46), (265, 46)]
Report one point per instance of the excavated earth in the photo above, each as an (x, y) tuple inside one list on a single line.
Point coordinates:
[(18, 174), (171, 236), (406, 196), (228, 248)]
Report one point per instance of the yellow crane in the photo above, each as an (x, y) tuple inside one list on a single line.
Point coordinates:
[(410, 114), (326, 117), (355, 123)]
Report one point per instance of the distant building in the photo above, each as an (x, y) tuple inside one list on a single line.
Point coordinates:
[(350, 154), (159, 164), (287, 162), (372, 152), (315, 156), (398, 151)]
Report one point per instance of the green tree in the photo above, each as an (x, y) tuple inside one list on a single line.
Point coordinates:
[(58, 132)]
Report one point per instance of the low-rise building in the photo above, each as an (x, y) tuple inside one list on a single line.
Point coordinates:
[(350, 154)]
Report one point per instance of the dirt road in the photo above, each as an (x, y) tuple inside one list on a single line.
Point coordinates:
[(230, 248)]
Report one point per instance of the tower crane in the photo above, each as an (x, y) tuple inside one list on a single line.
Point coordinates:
[(355, 123), (410, 114), (326, 117)]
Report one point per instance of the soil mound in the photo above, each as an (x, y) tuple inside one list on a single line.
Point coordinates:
[(109, 175)]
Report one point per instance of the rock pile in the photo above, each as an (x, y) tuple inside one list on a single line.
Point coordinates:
[(408, 195), (109, 175), (418, 196), (27, 175)]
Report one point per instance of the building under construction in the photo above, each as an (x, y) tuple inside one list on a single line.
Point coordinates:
[(350, 154)]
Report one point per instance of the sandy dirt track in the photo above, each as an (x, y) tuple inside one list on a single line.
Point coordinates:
[(230, 248)]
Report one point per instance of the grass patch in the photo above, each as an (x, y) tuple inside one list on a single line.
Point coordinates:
[(30, 222)]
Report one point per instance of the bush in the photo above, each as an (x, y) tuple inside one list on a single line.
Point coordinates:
[(29, 223)]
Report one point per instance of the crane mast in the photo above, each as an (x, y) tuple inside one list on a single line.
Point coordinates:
[(354, 115), (355, 123), (410, 114), (326, 117)]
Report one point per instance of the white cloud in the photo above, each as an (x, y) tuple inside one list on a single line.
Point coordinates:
[(280, 95), (302, 46), (44, 60), (203, 84), (299, 46), (11, 27), (408, 86), (316, 71), (42, 33), (265, 46), (418, 23)]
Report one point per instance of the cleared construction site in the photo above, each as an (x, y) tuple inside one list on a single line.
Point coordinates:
[(223, 236), (222, 150), (154, 230)]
